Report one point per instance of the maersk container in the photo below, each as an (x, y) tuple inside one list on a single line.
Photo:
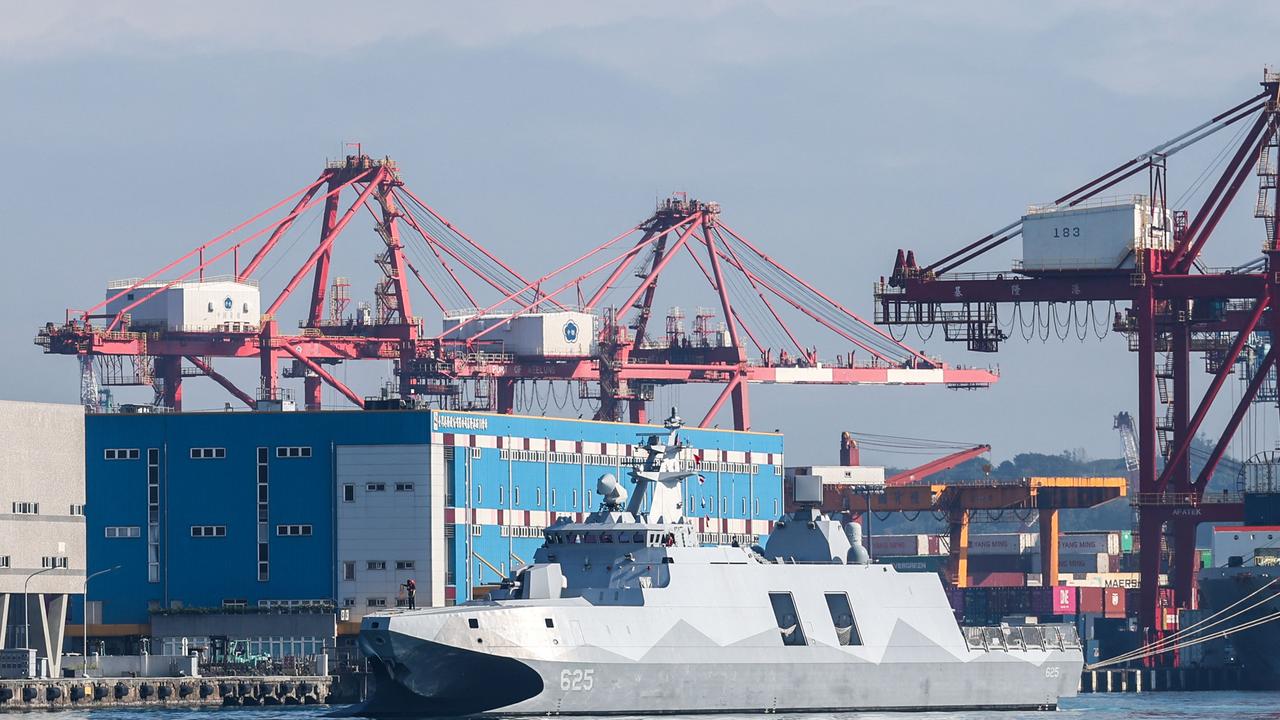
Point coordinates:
[(566, 333), (1096, 236), (220, 303)]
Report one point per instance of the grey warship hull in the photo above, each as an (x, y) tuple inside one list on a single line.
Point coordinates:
[(574, 657)]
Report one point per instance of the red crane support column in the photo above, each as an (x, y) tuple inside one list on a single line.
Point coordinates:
[(268, 357), (312, 384), (1184, 527), (506, 396), (1150, 524), (169, 372)]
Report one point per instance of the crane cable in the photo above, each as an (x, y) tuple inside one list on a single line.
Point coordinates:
[(1163, 644)]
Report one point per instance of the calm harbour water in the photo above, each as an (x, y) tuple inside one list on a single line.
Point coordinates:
[(1185, 706)]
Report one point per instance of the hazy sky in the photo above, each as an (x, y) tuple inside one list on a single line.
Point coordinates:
[(831, 133)]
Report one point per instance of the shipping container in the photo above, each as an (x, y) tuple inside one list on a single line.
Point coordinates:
[(1206, 558), (900, 545), (1003, 543), (1063, 600), (1092, 563), (1090, 600), (915, 563), (1004, 563), (1114, 602), (997, 579), (1089, 543)]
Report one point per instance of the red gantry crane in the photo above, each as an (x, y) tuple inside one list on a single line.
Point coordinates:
[(587, 325), (1176, 306)]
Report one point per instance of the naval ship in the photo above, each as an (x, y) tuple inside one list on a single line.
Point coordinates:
[(627, 613)]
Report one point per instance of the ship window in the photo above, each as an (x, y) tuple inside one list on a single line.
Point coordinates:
[(639, 538), (590, 537), (473, 623), (551, 623), (842, 618), (784, 611)]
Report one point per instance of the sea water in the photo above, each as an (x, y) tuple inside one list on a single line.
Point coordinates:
[(1115, 706)]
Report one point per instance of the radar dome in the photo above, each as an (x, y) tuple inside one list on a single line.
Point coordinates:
[(614, 494)]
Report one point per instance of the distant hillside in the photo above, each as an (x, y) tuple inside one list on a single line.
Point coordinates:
[(1115, 515)]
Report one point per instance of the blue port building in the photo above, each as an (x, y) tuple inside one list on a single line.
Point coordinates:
[(340, 508)]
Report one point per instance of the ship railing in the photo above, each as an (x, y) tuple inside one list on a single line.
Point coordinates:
[(1009, 638)]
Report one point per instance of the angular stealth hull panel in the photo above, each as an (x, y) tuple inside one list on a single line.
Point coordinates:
[(671, 655)]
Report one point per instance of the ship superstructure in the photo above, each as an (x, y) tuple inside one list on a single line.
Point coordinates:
[(626, 613)]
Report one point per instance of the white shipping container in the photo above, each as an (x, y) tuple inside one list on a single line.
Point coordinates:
[(1003, 543), (567, 333), (212, 304), (1089, 543), (862, 475), (900, 545), (1100, 235)]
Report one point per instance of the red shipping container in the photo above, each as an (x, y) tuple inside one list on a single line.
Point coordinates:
[(1063, 601), (997, 579), (1113, 602), (1090, 600)]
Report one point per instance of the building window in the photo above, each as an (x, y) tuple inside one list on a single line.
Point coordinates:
[(348, 602), (405, 564), (53, 561), (404, 487), (573, 497), (77, 510), (477, 530), (479, 493), (121, 454), (553, 497), (515, 496), (376, 602), (264, 483), (122, 531), (348, 493), (537, 497), (153, 515), (349, 570), (208, 531), (294, 530), (375, 487), (26, 508), (293, 452), (208, 453), (376, 565), (4, 561)]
